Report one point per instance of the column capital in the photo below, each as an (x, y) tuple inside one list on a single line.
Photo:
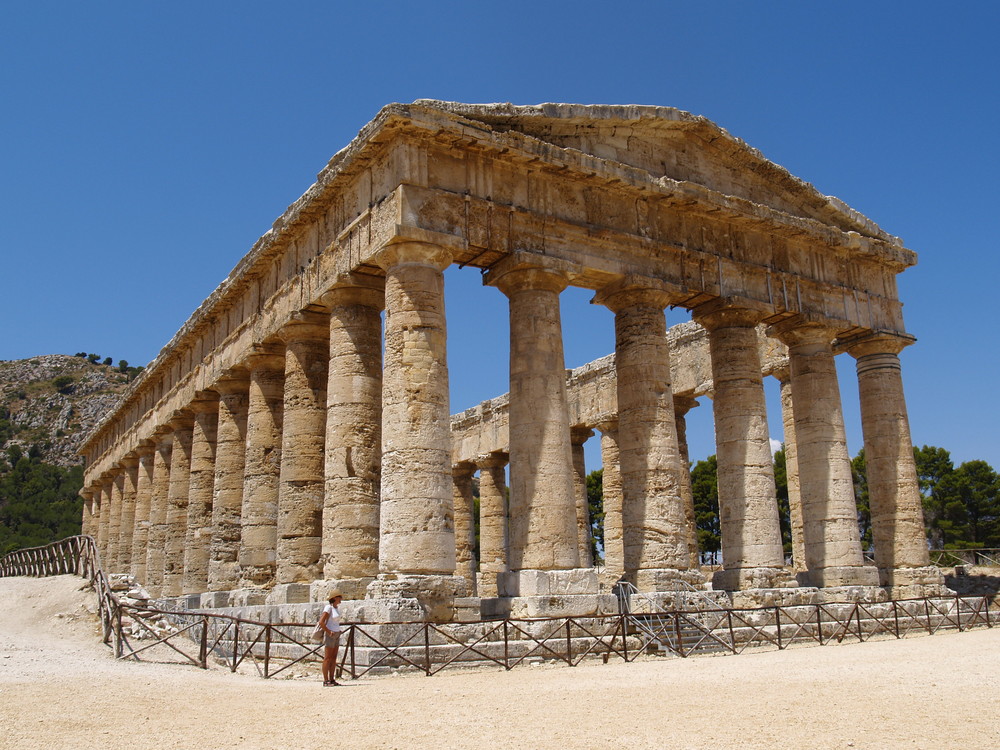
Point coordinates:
[(306, 325), (356, 289), (579, 434), (723, 313), (492, 460), (521, 270), (204, 402), (798, 332), (266, 356), (145, 448), (683, 404), (606, 423), (236, 380), (633, 291), (410, 252), (181, 419), (87, 494), (130, 460), (876, 342), (463, 469)]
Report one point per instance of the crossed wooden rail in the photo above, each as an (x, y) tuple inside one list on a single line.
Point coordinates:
[(275, 647)]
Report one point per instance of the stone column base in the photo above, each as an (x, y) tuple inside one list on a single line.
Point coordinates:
[(737, 579), (214, 599), (845, 575), (435, 594), (486, 584), (349, 588), (522, 583), (851, 595), (249, 597), (665, 579), (288, 593), (929, 575)]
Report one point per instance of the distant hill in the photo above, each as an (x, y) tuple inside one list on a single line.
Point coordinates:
[(52, 401)]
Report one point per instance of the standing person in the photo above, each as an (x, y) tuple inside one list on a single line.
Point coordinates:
[(329, 621)]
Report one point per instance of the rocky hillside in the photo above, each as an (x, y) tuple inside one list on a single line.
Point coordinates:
[(54, 400)]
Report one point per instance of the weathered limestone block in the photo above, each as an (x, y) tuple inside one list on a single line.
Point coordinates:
[(543, 517), (548, 582), (614, 551), (417, 521), (198, 534), (832, 542), (300, 493), (654, 524), (259, 515), (87, 523), (126, 529), (493, 539), (103, 500), (177, 504), (353, 431), (894, 495), (436, 594), (578, 436), (748, 507), (227, 490), (156, 548), (465, 526), (143, 497)]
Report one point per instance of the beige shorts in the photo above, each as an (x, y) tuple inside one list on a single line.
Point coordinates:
[(331, 640)]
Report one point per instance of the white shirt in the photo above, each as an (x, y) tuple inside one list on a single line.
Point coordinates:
[(333, 618)]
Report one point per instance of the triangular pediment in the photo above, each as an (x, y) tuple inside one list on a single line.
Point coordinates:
[(668, 143)]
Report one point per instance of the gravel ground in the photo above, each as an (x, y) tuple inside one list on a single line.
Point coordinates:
[(61, 688)]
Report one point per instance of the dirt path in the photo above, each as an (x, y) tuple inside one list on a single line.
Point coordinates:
[(60, 688)]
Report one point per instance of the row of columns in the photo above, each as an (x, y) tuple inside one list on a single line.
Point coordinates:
[(313, 460)]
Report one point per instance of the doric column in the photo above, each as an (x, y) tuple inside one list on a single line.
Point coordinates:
[(103, 498), (611, 489), (300, 492), (748, 509), (682, 405), (543, 518), (893, 493), (227, 491), (417, 522), (259, 515), (353, 431), (829, 513), (115, 520), (577, 437), (143, 497), (182, 424), (198, 534), (87, 522), (493, 541), (126, 528), (465, 523), (158, 499), (654, 523), (792, 470)]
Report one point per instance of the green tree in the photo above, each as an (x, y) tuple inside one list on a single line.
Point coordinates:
[(595, 506), (784, 507), (859, 474), (38, 501), (705, 488), (933, 465), (969, 503), (107, 361), (92, 358)]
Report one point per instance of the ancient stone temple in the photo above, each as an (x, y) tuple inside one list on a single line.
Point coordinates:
[(272, 451)]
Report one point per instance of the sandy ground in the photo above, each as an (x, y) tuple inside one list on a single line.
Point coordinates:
[(59, 687)]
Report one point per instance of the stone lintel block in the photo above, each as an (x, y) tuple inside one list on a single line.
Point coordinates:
[(349, 588), (665, 579), (289, 593), (839, 576), (925, 576), (737, 579), (247, 597), (571, 605), (774, 597), (574, 581), (852, 595), (214, 599)]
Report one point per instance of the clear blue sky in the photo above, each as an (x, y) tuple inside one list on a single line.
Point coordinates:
[(146, 146)]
